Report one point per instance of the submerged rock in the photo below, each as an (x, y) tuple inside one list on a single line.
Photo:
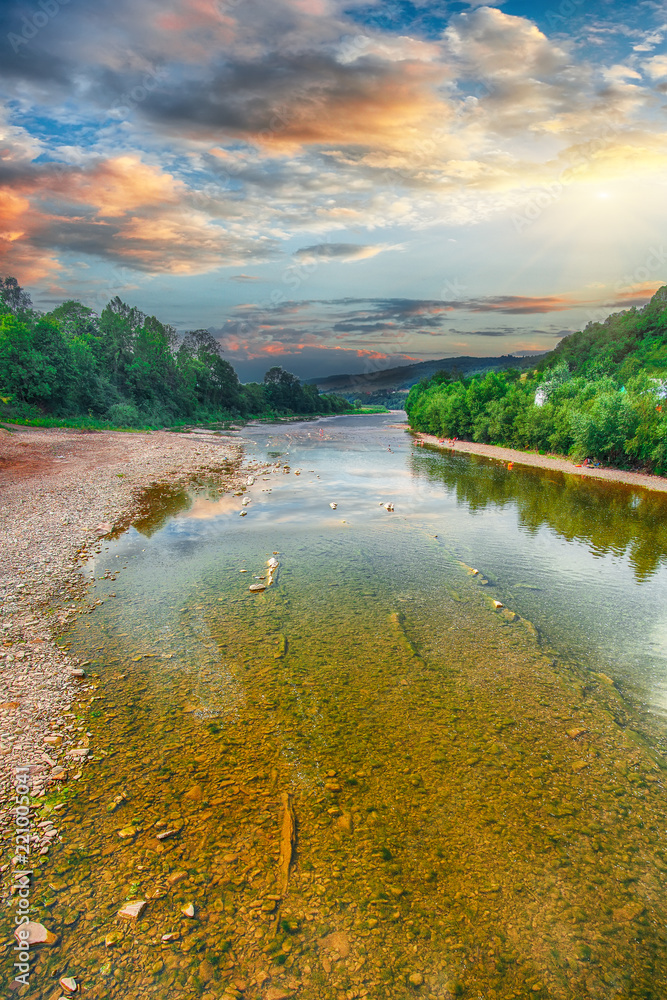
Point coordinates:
[(193, 794), (132, 911), (337, 941), (127, 832), (255, 588), (32, 933), (345, 823)]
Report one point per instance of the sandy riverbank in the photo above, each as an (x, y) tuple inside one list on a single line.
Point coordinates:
[(547, 462), (61, 491)]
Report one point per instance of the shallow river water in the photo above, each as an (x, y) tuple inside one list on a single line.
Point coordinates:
[(370, 779)]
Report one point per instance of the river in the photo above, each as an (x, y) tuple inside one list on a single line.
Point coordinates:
[(427, 760)]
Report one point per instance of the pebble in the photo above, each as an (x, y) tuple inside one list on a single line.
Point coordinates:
[(188, 910), (127, 832), (132, 911), (33, 932)]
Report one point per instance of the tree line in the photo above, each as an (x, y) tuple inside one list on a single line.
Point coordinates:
[(128, 369), (599, 395)]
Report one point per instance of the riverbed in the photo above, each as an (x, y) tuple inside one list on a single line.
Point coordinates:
[(427, 759)]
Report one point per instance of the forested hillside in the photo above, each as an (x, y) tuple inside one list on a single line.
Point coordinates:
[(128, 369), (600, 395)]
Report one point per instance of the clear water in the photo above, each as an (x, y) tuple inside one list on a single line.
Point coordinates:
[(476, 792)]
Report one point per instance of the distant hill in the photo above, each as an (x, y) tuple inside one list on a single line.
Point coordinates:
[(402, 378)]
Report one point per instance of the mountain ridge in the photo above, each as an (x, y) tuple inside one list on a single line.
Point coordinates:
[(401, 378)]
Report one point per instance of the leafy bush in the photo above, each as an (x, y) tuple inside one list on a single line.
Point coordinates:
[(124, 415)]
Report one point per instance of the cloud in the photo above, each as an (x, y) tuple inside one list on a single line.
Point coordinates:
[(635, 295), (491, 44), (197, 134), (342, 253), (123, 210), (521, 304), (386, 324), (656, 67)]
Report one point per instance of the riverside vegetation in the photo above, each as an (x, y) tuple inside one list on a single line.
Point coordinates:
[(598, 395), (125, 369)]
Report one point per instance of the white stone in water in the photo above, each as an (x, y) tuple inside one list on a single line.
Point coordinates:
[(333, 505), (256, 587), (68, 984), (272, 563), (33, 933), (498, 604), (189, 910), (132, 911), (243, 513)]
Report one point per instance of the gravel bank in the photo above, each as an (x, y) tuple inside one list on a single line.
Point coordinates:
[(658, 483), (60, 492)]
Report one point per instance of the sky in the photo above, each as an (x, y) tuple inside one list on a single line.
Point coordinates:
[(338, 186)]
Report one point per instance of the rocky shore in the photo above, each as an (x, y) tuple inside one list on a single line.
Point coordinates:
[(61, 492)]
